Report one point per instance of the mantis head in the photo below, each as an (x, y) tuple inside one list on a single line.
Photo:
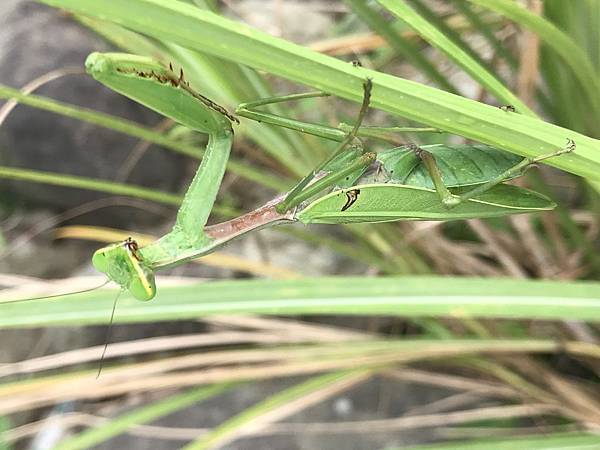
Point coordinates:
[(122, 264)]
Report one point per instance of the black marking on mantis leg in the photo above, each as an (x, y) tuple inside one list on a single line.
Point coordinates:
[(351, 197), (508, 108), (179, 82)]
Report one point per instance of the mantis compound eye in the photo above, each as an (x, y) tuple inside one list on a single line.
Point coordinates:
[(122, 264)]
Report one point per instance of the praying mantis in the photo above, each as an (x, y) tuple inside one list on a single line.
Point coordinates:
[(435, 182)]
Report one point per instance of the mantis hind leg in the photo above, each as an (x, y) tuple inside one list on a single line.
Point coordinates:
[(450, 200)]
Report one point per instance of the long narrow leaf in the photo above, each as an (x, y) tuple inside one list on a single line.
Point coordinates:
[(224, 432), (203, 31), (135, 130), (574, 57), (401, 45), (145, 414), (455, 52), (400, 296)]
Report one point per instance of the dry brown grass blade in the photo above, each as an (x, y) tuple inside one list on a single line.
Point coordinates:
[(350, 45), (421, 421), (449, 257), (79, 389), (37, 83), (538, 256), (156, 344), (506, 260), (36, 287), (453, 382), (529, 57), (288, 326), (575, 399), (265, 421), (72, 420), (462, 400), (137, 377)]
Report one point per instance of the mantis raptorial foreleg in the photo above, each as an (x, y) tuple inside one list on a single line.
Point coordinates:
[(161, 89), (451, 200)]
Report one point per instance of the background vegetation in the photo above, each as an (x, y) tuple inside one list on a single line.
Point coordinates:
[(525, 349)]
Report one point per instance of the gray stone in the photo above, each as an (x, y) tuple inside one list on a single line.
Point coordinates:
[(35, 40)]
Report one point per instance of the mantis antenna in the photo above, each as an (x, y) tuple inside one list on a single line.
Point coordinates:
[(107, 337), (19, 300)]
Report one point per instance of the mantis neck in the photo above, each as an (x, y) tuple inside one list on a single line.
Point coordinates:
[(215, 236), (188, 233)]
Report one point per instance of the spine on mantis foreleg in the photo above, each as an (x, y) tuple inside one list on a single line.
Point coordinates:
[(160, 88)]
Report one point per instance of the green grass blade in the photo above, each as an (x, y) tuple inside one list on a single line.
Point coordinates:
[(230, 427), (132, 129), (124, 39), (92, 184), (145, 414), (575, 441), (456, 53), (501, 50), (4, 427), (400, 45), (206, 32), (438, 22), (110, 187), (97, 118), (573, 55), (414, 296)]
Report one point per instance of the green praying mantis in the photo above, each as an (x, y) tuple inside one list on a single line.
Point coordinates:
[(434, 182)]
